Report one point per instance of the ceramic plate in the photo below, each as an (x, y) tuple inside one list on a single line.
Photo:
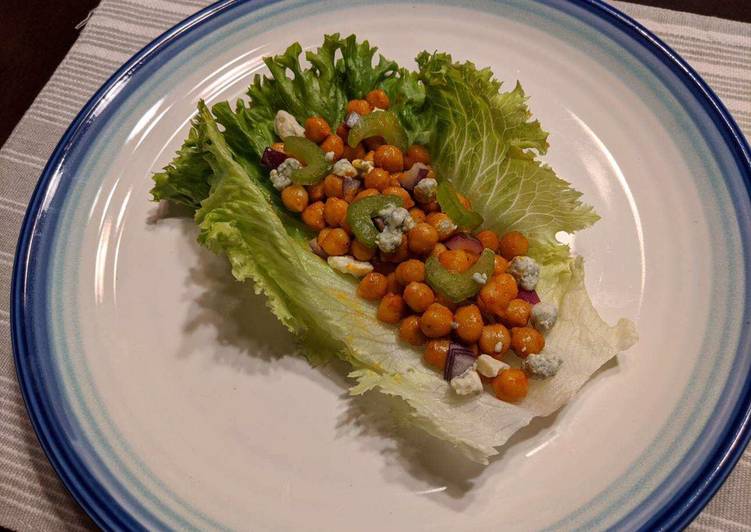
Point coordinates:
[(166, 397)]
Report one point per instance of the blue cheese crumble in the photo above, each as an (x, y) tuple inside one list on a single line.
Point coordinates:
[(425, 190), (526, 271), (285, 125), (542, 365), (363, 167), (490, 367), (480, 278), (281, 176), (397, 221), (349, 265), (544, 316), (344, 168), (468, 383)]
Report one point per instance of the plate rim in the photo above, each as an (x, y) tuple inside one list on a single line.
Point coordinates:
[(677, 512)]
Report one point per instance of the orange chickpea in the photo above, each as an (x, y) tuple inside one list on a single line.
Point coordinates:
[(372, 143), (435, 353), (377, 178), (499, 265), (333, 186), (322, 234), (278, 146), (469, 322), (370, 156), (333, 143), (336, 242), (401, 253), (456, 260), (418, 215), (446, 302), (498, 292), (431, 207), (402, 193), (391, 308), (335, 211), (526, 341), (358, 152), (517, 313), (422, 238), (442, 224), (315, 192), (418, 154), (312, 216), (389, 158), (409, 271), (436, 321), (373, 286), (361, 107), (295, 198), (418, 296), (365, 193), (317, 129), (410, 332), (491, 336), (438, 249), (394, 287), (342, 130), (513, 244), (361, 252), (378, 98), (511, 385), (489, 240)]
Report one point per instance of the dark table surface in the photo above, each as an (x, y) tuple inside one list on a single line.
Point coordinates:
[(36, 35)]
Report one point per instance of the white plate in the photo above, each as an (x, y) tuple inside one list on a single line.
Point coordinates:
[(168, 397)]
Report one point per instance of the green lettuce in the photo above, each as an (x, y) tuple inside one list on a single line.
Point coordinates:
[(482, 139)]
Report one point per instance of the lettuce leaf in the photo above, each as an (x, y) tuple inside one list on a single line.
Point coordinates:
[(241, 216)]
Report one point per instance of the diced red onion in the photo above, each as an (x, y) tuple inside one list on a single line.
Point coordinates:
[(379, 223), (412, 176), (530, 296), (316, 248), (352, 119), (458, 360), (465, 242), (350, 186), (271, 159)]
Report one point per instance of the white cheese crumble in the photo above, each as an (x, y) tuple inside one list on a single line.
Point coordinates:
[(363, 167), (285, 125), (480, 278), (350, 265), (544, 316), (329, 156), (425, 190), (397, 221), (487, 366), (497, 348), (467, 383), (445, 227), (542, 365), (344, 168), (526, 271), (280, 177)]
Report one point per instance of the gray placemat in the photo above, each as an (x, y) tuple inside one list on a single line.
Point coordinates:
[(31, 495)]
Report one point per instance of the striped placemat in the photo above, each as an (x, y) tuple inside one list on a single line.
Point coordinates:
[(31, 495)]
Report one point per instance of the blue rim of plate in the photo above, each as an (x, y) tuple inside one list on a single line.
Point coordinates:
[(108, 513)]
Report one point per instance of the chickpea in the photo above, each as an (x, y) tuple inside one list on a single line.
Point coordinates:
[(358, 152), (517, 313), (335, 211), (322, 234), (411, 270), (498, 292), (391, 308), (333, 186), (469, 322), (491, 336), (361, 252), (373, 286), (372, 143), (312, 216), (488, 239), (377, 178), (511, 385), (336, 242), (333, 143), (433, 206), (315, 192), (418, 215), (418, 296), (295, 198), (365, 193), (370, 156), (526, 341), (393, 285), (455, 260), (442, 224), (410, 332), (389, 158), (378, 98), (342, 130), (278, 146), (436, 321), (317, 129), (436, 352), (499, 265), (418, 154), (513, 244), (438, 249), (361, 107), (401, 253), (446, 302), (402, 193), (350, 193)]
